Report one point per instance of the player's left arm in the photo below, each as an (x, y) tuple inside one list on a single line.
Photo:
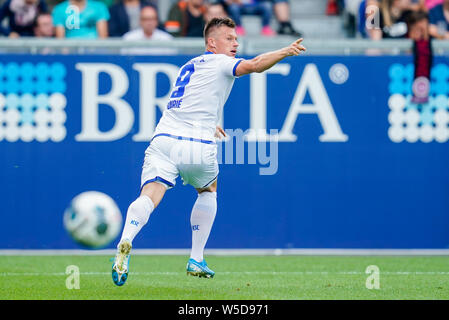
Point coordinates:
[(266, 60)]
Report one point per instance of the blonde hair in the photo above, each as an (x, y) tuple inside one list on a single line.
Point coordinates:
[(386, 12)]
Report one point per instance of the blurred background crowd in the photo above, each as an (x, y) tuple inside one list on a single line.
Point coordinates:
[(165, 19)]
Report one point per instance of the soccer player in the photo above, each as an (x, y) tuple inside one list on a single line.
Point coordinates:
[(184, 140)]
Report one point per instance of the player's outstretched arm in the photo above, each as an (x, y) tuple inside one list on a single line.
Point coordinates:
[(267, 60)]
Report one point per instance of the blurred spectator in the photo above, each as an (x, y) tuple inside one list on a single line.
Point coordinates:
[(148, 31), (43, 26), (107, 3), (186, 18), (86, 19), (262, 8), (392, 17), (418, 31), (418, 26), (148, 27), (439, 21), (364, 20), (429, 4), (281, 10), (332, 8), (21, 15), (215, 10), (367, 13), (414, 5), (351, 18), (125, 16), (419, 5)]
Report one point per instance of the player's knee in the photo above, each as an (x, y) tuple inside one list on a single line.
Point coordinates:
[(136, 205), (141, 207), (211, 188), (155, 191)]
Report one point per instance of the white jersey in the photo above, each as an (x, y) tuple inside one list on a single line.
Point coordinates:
[(198, 96)]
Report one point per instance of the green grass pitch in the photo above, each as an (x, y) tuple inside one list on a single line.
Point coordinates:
[(237, 277)]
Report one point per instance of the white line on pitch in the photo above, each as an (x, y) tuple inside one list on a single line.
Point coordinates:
[(38, 274), (237, 252)]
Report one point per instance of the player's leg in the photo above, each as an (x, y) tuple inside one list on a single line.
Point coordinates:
[(199, 168), (201, 221), (158, 175), (137, 216), (140, 210)]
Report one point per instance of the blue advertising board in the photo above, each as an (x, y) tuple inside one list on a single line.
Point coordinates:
[(344, 160)]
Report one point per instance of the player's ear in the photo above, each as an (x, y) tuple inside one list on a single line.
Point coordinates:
[(211, 42)]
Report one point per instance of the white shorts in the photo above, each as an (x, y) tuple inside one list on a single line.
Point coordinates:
[(168, 156)]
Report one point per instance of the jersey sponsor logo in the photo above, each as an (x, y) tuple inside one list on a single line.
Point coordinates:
[(196, 227), (134, 222)]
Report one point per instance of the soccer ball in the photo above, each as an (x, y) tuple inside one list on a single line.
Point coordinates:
[(93, 219)]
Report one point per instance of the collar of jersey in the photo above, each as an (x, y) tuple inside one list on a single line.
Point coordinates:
[(208, 52)]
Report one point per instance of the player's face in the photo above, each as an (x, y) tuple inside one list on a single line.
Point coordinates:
[(226, 41)]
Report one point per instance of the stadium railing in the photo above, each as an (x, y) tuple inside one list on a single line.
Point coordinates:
[(248, 46)]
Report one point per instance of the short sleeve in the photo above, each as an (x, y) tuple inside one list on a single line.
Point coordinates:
[(102, 12), (228, 65), (58, 15)]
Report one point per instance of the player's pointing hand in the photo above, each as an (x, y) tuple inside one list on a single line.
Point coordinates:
[(295, 48)]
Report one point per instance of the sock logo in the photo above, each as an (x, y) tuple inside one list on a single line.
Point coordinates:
[(134, 222), (196, 227)]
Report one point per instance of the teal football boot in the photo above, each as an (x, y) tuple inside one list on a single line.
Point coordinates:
[(120, 267), (199, 269)]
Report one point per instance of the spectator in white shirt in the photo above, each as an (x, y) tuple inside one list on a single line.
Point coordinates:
[(148, 31)]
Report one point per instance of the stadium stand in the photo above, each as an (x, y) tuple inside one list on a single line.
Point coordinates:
[(311, 19), (308, 16)]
